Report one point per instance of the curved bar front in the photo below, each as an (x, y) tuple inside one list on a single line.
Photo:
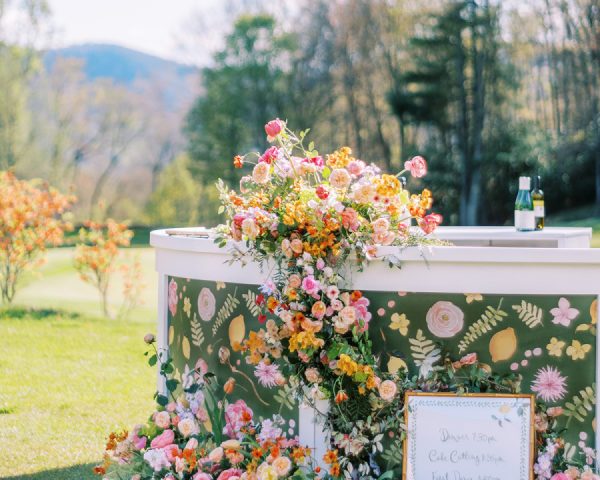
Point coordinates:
[(531, 311)]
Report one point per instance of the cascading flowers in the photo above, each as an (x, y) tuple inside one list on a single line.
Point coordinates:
[(309, 213)]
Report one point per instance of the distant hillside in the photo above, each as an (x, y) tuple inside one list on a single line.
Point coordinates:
[(126, 67)]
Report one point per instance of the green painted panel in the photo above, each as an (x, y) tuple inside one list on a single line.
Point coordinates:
[(207, 316), (548, 339)]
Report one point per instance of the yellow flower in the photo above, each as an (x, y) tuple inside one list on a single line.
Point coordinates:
[(187, 306), (473, 297), (347, 365), (304, 341), (555, 347), (400, 323), (504, 409), (577, 351)]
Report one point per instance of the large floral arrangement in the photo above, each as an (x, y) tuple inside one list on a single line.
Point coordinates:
[(310, 220)]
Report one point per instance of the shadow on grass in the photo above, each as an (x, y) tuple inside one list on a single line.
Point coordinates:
[(24, 313), (76, 472)]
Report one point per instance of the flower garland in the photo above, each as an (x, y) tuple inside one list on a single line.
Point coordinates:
[(311, 220), (308, 214)]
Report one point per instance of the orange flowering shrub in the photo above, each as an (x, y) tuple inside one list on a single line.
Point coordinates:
[(32, 217), (97, 259)]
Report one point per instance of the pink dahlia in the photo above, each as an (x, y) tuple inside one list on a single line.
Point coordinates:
[(268, 374), (549, 384)]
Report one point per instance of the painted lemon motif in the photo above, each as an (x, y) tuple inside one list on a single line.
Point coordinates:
[(208, 425), (594, 424), (171, 334), (185, 347), (594, 311), (237, 330), (503, 345), (395, 364)]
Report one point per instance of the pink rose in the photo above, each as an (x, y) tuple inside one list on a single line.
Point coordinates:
[(172, 451), (417, 166), (173, 297), (356, 167), (310, 285), (273, 128), (202, 476), (162, 419), (229, 473), (139, 442), (317, 161), (164, 439), (270, 154), (469, 359), (237, 415), (444, 319), (560, 476), (430, 222)]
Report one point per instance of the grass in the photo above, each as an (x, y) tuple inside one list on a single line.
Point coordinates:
[(581, 217), (67, 376)]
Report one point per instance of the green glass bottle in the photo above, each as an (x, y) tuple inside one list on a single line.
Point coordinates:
[(524, 216), (539, 211)]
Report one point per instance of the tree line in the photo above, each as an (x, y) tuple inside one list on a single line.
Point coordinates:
[(485, 90)]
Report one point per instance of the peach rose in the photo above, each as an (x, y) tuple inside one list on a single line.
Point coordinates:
[(340, 178), (387, 390), (282, 466), (261, 173), (162, 419), (444, 319), (318, 309)]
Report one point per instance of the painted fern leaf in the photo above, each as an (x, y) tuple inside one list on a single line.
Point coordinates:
[(530, 314), (229, 305), (490, 318), (197, 334), (420, 347), (582, 404), (285, 397), (250, 299)]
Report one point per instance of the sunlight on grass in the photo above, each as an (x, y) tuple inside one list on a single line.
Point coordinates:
[(67, 380)]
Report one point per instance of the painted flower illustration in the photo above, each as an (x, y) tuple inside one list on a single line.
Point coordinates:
[(400, 323), (473, 297), (173, 297), (187, 306), (206, 304), (577, 350), (563, 314), (555, 347), (444, 319), (549, 384)]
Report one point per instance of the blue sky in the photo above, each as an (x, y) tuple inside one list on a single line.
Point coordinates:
[(159, 27)]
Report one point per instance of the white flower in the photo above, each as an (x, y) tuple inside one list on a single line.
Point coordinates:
[(332, 292), (188, 427), (269, 431), (157, 459)]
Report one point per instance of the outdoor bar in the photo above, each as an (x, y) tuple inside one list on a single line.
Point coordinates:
[(521, 309)]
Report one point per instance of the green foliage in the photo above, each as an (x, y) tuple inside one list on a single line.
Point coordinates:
[(488, 320), (175, 200), (243, 90)]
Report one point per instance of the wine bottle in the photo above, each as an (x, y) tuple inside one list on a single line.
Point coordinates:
[(539, 211), (405, 217), (524, 216)]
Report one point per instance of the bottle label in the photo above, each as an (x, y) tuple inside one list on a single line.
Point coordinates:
[(538, 208), (524, 220)]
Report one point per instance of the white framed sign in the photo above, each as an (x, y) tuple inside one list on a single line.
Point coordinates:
[(469, 437)]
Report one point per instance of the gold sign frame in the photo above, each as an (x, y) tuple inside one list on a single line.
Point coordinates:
[(531, 397)]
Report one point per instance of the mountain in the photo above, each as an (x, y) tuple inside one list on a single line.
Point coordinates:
[(127, 67)]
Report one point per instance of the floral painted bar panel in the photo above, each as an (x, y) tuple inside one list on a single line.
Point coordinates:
[(547, 339), (205, 319)]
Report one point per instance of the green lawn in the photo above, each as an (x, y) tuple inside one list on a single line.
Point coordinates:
[(580, 217), (67, 376)]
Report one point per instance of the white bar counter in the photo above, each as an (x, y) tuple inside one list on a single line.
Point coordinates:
[(549, 237)]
